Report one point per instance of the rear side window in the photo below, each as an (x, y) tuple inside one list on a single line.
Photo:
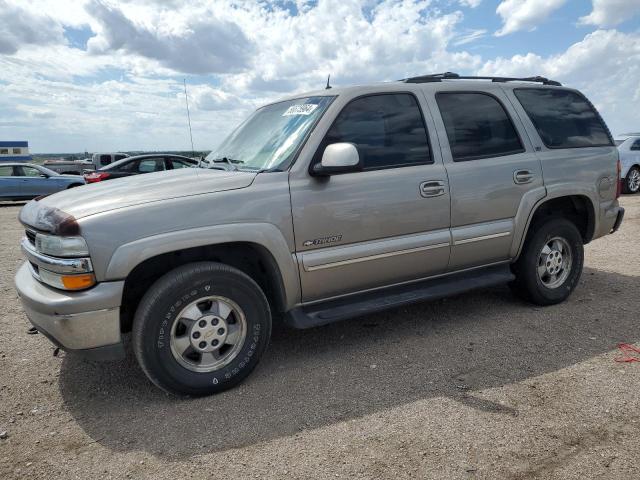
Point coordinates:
[(151, 165), (105, 159), (477, 126), (6, 171), (387, 129), (564, 119), (636, 145)]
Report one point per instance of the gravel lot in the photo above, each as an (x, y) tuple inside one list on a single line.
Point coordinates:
[(475, 386)]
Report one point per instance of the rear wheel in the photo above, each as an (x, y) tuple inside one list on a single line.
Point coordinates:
[(632, 182), (550, 264), (201, 329)]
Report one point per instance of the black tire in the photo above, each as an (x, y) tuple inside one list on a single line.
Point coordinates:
[(528, 284), (160, 307), (628, 185)]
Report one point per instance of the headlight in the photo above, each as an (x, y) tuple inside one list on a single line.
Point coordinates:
[(61, 246)]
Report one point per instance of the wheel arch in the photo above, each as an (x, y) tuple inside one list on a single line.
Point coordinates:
[(258, 250), (578, 207)]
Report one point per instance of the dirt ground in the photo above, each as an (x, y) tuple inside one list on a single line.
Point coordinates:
[(475, 386)]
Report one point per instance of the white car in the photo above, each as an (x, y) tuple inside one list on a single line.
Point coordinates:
[(629, 148)]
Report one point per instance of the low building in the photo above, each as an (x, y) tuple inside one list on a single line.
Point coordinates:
[(14, 151)]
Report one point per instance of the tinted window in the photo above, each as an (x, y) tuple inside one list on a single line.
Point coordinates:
[(6, 171), (477, 126), (120, 157), (17, 151), (387, 129), (4, 151), (563, 119), (151, 165), (636, 145), (31, 172), (105, 159), (179, 164), (127, 167)]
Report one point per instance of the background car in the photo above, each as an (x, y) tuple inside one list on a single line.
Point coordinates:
[(629, 149), (140, 164), (23, 181)]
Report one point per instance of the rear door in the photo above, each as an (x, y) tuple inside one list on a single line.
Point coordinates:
[(492, 171), (386, 224)]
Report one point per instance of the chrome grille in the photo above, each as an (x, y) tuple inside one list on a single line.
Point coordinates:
[(31, 236)]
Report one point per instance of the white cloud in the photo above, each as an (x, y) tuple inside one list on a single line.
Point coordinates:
[(469, 36), (470, 3), (125, 91), (525, 14), (605, 65), (200, 46), (608, 13), (20, 28)]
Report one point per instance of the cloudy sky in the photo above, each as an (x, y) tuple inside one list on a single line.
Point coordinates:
[(106, 75)]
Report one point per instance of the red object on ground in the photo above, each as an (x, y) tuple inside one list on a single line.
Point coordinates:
[(96, 177), (628, 352)]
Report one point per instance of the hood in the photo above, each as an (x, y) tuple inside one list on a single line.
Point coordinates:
[(135, 190)]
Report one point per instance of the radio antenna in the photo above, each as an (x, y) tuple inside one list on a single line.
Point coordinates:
[(186, 99), (328, 87)]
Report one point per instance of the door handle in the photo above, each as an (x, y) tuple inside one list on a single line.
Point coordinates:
[(432, 188), (523, 176)]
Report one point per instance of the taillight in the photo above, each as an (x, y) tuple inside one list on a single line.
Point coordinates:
[(96, 177), (619, 181)]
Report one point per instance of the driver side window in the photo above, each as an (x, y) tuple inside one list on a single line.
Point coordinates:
[(387, 129)]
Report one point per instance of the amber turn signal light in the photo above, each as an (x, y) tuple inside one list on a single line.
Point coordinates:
[(78, 282)]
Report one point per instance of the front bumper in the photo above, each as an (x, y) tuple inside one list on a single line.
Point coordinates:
[(85, 322)]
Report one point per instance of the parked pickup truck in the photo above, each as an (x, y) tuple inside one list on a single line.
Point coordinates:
[(321, 207), (79, 167)]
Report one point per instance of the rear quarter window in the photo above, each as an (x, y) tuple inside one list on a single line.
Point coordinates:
[(563, 118)]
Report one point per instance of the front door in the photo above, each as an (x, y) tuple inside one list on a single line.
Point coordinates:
[(386, 224), (491, 168), (33, 182)]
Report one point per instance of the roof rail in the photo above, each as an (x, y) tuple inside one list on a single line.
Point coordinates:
[(438, 77)]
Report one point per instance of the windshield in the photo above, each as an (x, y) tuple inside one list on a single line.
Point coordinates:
[(270, 137)]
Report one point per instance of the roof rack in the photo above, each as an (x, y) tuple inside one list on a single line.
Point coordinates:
[(438, 77)]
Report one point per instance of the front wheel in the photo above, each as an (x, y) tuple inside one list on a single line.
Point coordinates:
[(550, 264), (632, 181), (201, 329)]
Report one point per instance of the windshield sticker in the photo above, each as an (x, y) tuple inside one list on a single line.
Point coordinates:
[(301, 109)]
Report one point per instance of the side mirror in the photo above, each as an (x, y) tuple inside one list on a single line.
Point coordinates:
[(338, 158)]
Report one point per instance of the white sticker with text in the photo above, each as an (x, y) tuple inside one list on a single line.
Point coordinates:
[(301, 109)]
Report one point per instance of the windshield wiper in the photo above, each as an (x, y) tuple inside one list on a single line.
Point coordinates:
[(230, 161)]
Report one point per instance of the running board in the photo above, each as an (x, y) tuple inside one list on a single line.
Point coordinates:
[(392, 297)]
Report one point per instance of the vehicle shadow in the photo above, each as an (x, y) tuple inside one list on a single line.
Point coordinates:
[(309, 379)]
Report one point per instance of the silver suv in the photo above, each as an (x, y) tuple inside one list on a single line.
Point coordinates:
[(320, 207)]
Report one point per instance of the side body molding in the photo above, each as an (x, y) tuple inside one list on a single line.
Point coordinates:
[(128, 256)]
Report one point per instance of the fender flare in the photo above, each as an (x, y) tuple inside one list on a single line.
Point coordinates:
[(534, 199), (126, 257)]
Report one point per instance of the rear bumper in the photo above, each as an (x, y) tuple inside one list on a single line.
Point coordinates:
[(87, 322), (618, 221)]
